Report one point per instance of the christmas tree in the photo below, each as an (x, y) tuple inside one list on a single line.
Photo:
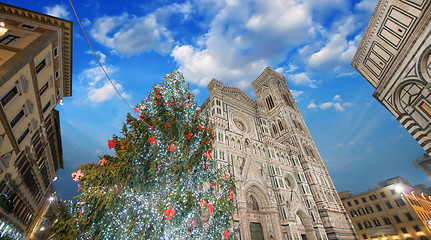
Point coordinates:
[(162, 183)]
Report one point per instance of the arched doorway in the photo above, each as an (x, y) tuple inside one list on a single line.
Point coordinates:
[(256, 230), (304, 225), (257, 215)]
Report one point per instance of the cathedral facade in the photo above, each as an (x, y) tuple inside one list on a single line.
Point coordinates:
[(284, 190)]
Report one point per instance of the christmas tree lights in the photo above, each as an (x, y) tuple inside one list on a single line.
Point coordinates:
[(162, 183)]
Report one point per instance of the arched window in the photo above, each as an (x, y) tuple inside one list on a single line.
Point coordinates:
[(274, 128), (280, 125), (270, 102), (288, 102)]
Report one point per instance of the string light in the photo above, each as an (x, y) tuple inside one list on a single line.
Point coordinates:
[(157, 194)]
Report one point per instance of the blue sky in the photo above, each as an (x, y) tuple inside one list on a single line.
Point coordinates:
[(311, 42)]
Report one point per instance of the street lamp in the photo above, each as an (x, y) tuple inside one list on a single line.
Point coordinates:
[(399, 188), (3, 29)]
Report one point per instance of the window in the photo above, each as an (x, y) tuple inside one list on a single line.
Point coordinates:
[(409, 216), (364, 236), (360, 226), (383, 194), (220, 137), (387, 221), (349, 204), (368, 224), (287, 100), (377, 223), (270, 103), (369, 210), (400, 202), (389, 205), (221, 155), (353, 213), (361, 211), (397, 218), (274, 128), (378, 207), (425, 108), (417, 229), (26, 26), (46, 107), (23, 135), (364, 200), (373, 197), (280, 125), (17, 118), (8, 39), (356, 202), (393, 192), (57, 74), (55, 51), (43, 89), (40, 66), (9, 96), (404, 230)]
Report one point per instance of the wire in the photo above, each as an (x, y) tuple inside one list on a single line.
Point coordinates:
[(103, 69)]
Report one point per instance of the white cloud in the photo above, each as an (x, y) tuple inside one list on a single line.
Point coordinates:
[(292, 68), (98, 88), (336, 103), (337, 51), (326, 105), (86, 22), (337, 98), (103, 93), (279, 70), (196, 91), (366, 5), (59, 11), (302, 79), (338, 107), (312, 105), (243, 38), (296, 94), (131, 34), (338, 43), (347, 104)]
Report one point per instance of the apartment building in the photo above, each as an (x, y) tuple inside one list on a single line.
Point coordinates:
[(35, 74), (394, 210)]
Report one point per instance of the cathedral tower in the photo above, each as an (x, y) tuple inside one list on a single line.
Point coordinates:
[(283, 187)]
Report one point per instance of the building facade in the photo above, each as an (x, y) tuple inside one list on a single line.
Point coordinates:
[(394, 210), (394, 57), (424, 162), (284, 190), (35, 74)]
